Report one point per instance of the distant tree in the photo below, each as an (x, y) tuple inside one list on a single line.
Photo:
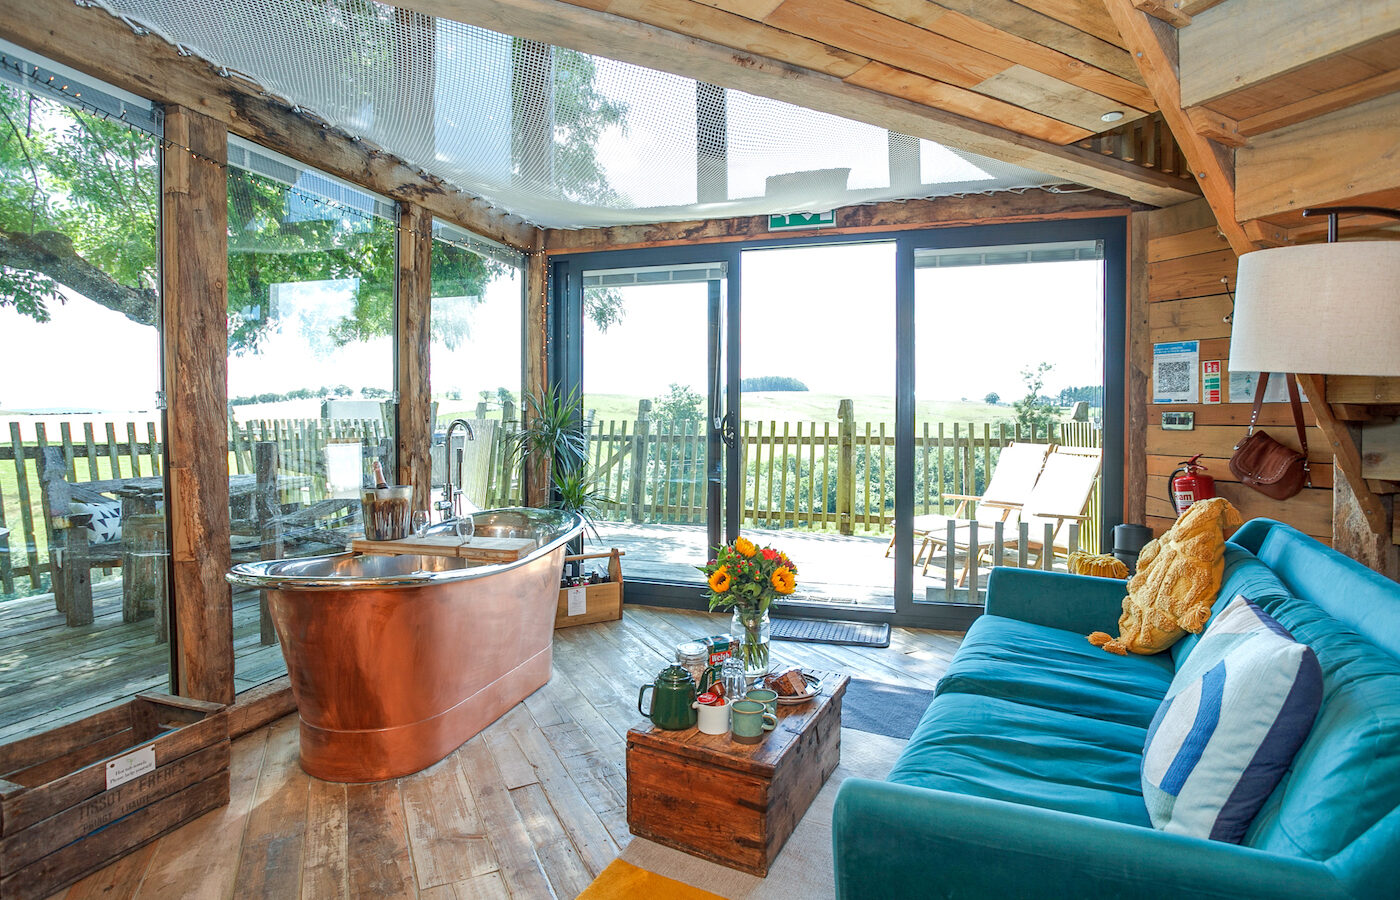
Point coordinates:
[(373, 393), (1089, 393), (771, 383), (342, 390), (992, 398), (680, 406), (1034, 411), (504, 396)]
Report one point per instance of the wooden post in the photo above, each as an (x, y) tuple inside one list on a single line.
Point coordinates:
[(68, 536), (537, 487), (415, 337), (640, 438), (1139, 383), (194, 242), (845, 466), (481, 410)]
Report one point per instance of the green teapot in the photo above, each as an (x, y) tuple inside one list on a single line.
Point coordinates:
[(672, 703)]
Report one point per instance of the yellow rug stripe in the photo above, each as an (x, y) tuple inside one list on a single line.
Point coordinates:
[(621, 880)]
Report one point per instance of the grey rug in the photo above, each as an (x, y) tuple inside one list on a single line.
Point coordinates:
[(804, 868), (826, 631), (880, 708)]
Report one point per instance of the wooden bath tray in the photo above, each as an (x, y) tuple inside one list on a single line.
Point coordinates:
[(481, 549)]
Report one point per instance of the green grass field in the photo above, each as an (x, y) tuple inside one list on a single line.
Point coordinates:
[(806, 406)]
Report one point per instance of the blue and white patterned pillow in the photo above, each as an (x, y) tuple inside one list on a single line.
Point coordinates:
[(1236, 713), (106, 524)]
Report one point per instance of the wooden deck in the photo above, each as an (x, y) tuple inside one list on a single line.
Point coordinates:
[(50, 673), (534, 807), (846, 570)]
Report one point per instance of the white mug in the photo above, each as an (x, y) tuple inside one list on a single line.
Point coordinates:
[(713, 719)]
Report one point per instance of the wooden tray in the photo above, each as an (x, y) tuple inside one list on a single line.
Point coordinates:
[(482, 549)]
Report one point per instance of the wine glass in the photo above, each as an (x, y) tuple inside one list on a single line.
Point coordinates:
[(420, 521), (464, 525)]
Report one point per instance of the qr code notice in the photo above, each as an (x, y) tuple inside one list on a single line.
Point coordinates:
[(1173, 377)]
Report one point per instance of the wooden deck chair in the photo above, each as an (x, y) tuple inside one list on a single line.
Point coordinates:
[(1061, 496), (1015, 474)]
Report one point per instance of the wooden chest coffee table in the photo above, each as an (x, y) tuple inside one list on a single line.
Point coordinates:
[(732, 803)]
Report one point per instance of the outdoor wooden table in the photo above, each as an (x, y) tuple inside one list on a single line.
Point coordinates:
[(735, 804)]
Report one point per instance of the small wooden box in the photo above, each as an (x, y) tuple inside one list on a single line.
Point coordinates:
[(735, 804), (58, 819), (604, 601)]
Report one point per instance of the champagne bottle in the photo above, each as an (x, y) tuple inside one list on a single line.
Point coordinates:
[(379, 480)]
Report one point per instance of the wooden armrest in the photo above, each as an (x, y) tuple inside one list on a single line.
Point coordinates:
[(962, 497), (1002, 504), (1061, 516)]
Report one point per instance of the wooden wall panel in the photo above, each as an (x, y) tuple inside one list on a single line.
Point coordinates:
[(1188, 302)]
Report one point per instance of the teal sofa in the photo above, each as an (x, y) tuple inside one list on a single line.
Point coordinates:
[(1023, 778)]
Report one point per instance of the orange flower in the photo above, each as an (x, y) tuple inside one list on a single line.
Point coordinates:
[(719, 582), (744, 547), (784, 582)]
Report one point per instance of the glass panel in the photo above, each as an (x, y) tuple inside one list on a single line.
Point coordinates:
[(1008, 348), (477, 322), (646, 372), (310, 370), (81, 453), (817, 436)]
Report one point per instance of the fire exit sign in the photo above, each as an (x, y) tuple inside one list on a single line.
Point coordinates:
[(793, 221)]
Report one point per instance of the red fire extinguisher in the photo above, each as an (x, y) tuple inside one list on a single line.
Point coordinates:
[(1189, 485)]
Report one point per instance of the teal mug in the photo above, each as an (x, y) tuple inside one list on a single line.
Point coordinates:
[(749, 719), (768, 698)]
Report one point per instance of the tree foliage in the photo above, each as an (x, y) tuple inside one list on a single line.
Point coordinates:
[(79, 210), (771, 383), (679, 407), (1035, 411)]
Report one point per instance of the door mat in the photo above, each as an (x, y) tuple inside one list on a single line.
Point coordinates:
[(879, 708), (824, 631)]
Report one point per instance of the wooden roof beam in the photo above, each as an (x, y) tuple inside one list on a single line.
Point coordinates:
[(1175, 12), (616, 37), (91, 40), (1153, 43)]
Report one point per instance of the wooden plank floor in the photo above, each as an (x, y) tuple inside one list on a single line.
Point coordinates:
[(50, 673), (533, 807)]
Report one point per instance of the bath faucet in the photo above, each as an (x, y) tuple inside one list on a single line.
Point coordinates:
[(448, 504)]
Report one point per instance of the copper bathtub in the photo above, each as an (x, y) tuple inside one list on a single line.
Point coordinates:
[(395, 661)]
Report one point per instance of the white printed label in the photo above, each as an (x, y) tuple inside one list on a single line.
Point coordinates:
[(578, 601), (132, 765)]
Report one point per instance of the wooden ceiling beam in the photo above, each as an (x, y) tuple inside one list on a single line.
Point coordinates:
[(620, 38), (1245, 43), (1153, 44), (93, 41)]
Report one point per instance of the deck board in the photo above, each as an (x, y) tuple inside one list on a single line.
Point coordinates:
[(533, 807)]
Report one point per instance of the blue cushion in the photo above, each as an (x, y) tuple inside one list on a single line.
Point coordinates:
[(1058, 670), (1245, 576), (1236, 713), (1000, 750)]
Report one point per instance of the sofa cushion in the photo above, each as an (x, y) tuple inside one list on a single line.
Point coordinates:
[(106, 523), (1234, 716), (993, 748), (1245, 576), (1346, 776), (1056, 670)]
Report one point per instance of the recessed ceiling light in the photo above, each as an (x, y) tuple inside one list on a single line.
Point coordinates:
[(1111, 116)]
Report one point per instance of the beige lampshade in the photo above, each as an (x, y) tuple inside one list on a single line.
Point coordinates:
[(1319, 309)]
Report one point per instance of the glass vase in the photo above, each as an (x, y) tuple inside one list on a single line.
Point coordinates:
[(749, 630)]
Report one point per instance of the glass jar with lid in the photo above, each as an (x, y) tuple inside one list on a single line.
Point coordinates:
[(694, 657)]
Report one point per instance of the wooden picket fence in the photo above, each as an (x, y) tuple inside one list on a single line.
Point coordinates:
[(821, 476)]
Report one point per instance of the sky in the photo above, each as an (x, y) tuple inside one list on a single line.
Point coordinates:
[(825, 315)]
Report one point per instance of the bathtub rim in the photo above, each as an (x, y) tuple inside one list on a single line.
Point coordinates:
[(258, 574)]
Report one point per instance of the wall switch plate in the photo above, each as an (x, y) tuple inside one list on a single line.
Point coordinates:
[(1178, 421)]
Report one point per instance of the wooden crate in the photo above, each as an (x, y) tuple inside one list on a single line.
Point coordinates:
[(604, 601), (59, 820), (734, 804)]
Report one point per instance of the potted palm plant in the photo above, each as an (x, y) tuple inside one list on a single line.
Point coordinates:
[(555, 438)]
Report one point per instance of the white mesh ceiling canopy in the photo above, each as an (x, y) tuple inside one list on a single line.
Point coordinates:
[(560, 138)]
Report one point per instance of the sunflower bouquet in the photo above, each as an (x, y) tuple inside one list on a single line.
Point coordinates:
[(748, 578)]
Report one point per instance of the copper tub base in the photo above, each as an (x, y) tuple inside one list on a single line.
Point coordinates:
[(396, 661), (354, 756)]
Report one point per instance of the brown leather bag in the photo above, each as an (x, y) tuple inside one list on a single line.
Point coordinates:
[(1264, 464)]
